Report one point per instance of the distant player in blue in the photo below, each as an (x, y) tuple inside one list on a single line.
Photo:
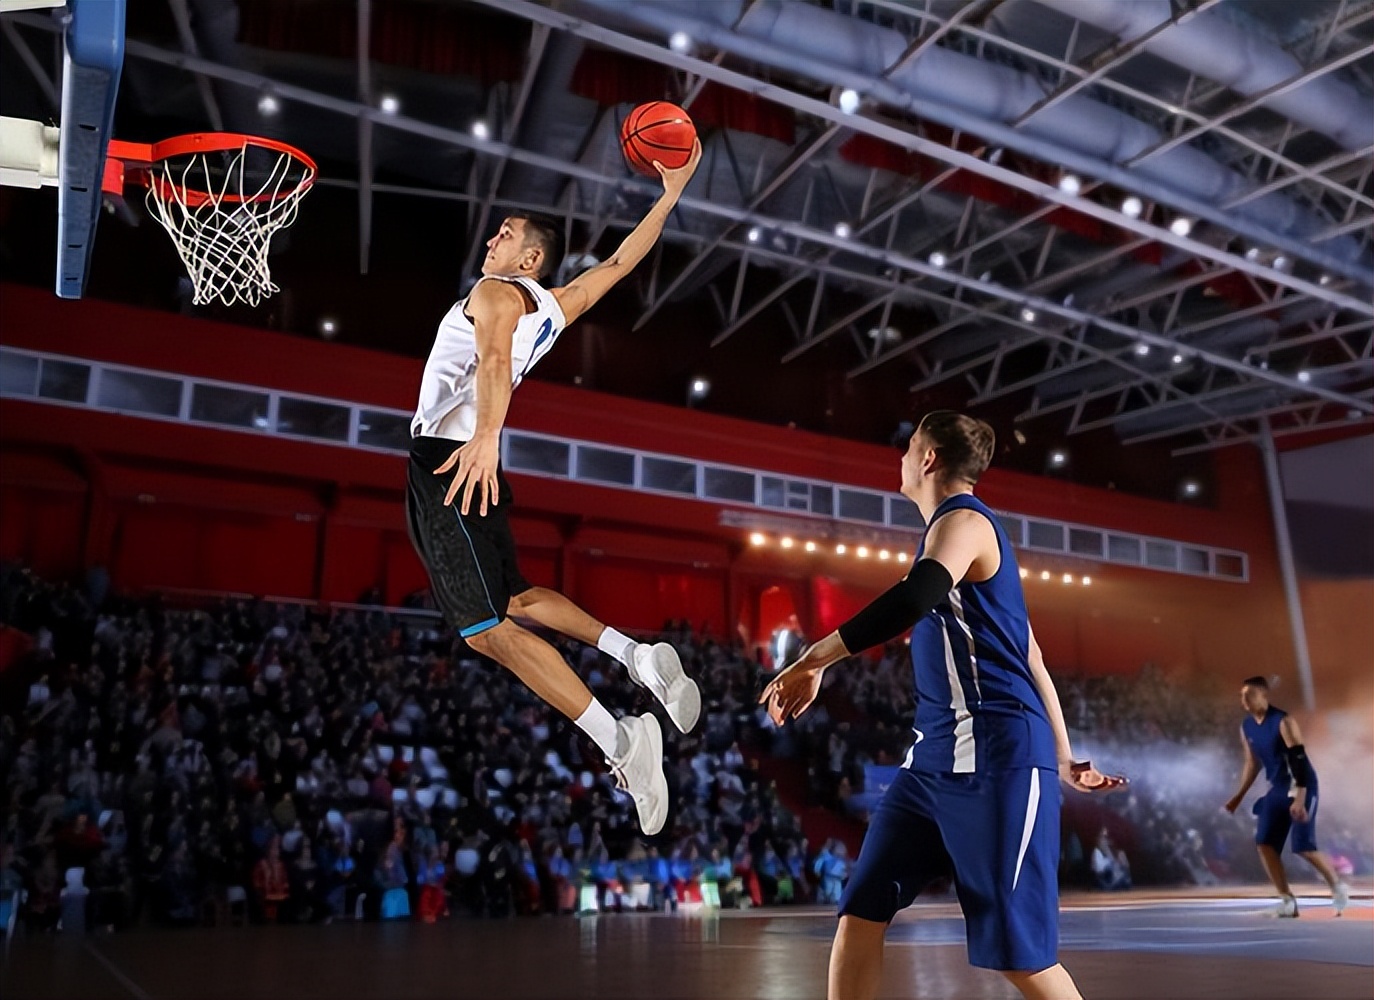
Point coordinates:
[(1272, 740), (978, 795)]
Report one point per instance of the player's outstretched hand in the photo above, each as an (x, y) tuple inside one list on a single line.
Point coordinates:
[(791, 693), (476, 461), (674, 181), (1083, 777)]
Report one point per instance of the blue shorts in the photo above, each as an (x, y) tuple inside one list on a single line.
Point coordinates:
[(1275, 821), (997, 834)]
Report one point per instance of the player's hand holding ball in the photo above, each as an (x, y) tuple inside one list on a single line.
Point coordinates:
[(659, 138), (1083, 777)]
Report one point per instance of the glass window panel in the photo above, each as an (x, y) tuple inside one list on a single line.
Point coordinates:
[(670, 476), (1194, 560), (64, 380), (862, 506), (135, 392), (18, 374), (1012, 526), (728, 484), (218, 404), (1161, 555), (1230, 565), (1043, 535), (1085, 542), (902, 513), (1122, 549), (601, 465), (377, 429), (309, 418), (531, 454), (823, 500), (771, 494)]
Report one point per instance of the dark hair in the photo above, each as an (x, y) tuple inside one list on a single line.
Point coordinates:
[(544, 232), (965, 443), (1255, 682)]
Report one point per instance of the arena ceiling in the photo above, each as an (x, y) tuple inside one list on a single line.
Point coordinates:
[(1147, 219)]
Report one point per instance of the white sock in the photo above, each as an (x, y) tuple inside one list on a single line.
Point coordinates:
[(615, 644), (600, 725)]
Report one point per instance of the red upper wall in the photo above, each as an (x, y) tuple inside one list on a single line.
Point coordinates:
[(121, 334)]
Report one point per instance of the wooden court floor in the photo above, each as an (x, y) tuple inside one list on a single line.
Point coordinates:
[(1157, 945)]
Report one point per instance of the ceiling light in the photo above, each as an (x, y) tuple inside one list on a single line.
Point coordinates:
[(757, 539), (1028, 315), (1281, 263), (1191, 487), (787, 543), (1181, 226), (1132, 207), (1024, 572), (390, 104), (1044, 574), (1304, 376), (843, 231), (938, 259), (268, 104), (1324, 280), (862, 552), (1068, 578), (755, 234), (849, 100), (901, 557), (680, 42), (1252, 254), (1087, 581), (1058, 457), (1178, 359), (1070, 184), (841, 549), (328, 326), (700, 387), (1142, 349), (480, 130), (884, 554), (810, 546)]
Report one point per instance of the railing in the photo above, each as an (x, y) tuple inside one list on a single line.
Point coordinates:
[(75, 382)]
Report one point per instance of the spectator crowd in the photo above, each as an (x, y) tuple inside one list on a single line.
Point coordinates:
[(282, 763)]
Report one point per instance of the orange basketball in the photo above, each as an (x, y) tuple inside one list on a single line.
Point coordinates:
[(657, 131)]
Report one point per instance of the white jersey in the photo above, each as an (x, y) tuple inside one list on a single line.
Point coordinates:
[(450, 381)]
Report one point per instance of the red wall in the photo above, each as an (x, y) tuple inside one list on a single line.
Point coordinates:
[(162, 503)]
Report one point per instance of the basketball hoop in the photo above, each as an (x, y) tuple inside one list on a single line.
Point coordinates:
[(220, 196)]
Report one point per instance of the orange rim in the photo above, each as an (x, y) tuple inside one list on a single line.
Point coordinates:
[(137, 159)]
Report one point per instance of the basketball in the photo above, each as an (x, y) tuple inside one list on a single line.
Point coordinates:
[(657, 131)]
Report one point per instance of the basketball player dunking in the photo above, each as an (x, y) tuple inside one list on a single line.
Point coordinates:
[(978, 795), (457, 494), (1272, 740)]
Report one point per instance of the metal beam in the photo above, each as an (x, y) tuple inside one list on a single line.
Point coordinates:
[(364, 136), (1287, 566), (1290, 406), (182, 16)]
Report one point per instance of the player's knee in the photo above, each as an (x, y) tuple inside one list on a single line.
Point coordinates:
[(494, 642)]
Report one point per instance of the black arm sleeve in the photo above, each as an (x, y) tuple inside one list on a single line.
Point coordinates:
[(900, 607), (1297, 764)]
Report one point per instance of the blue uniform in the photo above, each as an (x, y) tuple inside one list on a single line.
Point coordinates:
[(978, 796), (1271, 809)]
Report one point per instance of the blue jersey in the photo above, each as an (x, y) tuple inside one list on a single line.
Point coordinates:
[(1266, 743), (977, 708)]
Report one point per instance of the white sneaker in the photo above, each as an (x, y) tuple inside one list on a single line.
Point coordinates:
[(640, 770), (1288, 907), (1340, 897), (658, 668)]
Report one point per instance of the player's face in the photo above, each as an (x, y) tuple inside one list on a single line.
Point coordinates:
[(1254, 699), (506, 251), (916, 464)]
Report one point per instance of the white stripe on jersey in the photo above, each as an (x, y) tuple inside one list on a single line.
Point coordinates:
[(965, 751), (956, 601), (449, 382)]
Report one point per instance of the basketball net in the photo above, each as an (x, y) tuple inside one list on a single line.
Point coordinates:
[(222, 224)]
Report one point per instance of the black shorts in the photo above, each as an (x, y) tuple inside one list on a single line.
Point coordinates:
[(470, 558)]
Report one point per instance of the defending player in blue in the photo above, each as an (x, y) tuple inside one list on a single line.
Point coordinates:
[(978, 794), (1271, 739)]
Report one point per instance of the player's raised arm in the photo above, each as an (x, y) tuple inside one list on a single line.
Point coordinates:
[(495, 308), (587, 288)]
